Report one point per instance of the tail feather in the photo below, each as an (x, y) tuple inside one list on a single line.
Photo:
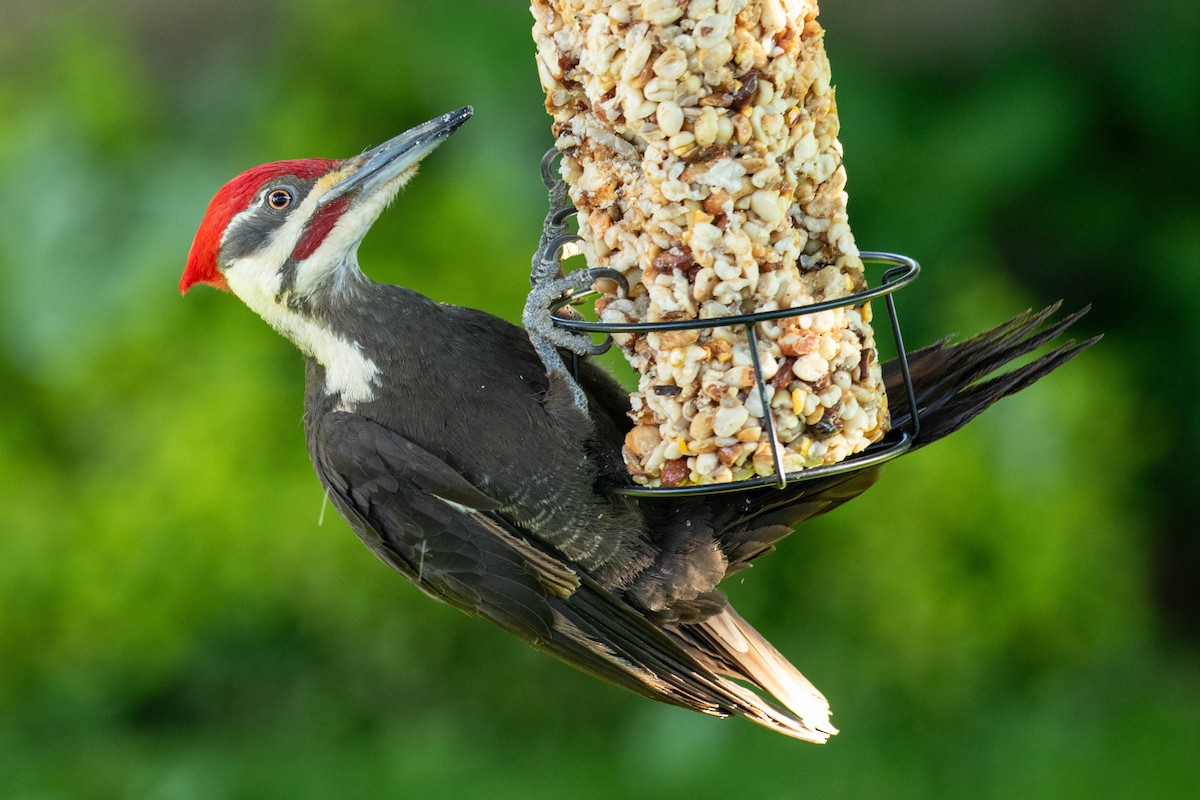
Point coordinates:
[(729, 646), (953, 383), (950, 380), (948, 364)]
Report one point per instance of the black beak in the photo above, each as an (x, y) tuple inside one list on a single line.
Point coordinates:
[(379, 165)]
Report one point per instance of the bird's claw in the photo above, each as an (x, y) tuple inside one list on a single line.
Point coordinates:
[(552, 291), (547, 167), (596, 274), (548, 257), (553, 294)]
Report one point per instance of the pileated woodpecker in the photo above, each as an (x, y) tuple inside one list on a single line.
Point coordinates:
[(463, 463)]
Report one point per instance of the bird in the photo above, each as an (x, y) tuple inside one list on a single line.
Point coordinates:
[(466, 465)]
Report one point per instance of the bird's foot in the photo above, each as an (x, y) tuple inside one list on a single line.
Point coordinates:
[(554, 294), (548, 294), (549, 286)]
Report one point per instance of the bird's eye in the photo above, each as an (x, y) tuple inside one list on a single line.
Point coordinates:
[(279, 199)]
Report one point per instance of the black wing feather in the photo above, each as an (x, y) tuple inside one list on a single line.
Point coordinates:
[(413, 511), (427, 521)]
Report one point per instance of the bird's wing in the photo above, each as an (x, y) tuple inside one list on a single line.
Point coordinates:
[(423, 518)]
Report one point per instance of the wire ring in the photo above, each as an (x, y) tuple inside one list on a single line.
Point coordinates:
[(902, 271)]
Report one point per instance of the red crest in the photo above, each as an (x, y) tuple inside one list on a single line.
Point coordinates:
[(232, 199)]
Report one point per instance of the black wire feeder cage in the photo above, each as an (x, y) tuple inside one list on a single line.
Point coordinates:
[(898, 272)]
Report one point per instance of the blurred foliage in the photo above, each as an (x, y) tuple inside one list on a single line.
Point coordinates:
[(1012, 613)]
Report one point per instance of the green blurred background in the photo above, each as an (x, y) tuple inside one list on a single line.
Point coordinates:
[(1013, 613)]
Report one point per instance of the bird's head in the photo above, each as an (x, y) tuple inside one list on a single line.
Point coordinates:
[(285, 228)]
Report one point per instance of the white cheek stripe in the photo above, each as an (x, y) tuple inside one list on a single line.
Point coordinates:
[(348, 372), (257, 280)]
